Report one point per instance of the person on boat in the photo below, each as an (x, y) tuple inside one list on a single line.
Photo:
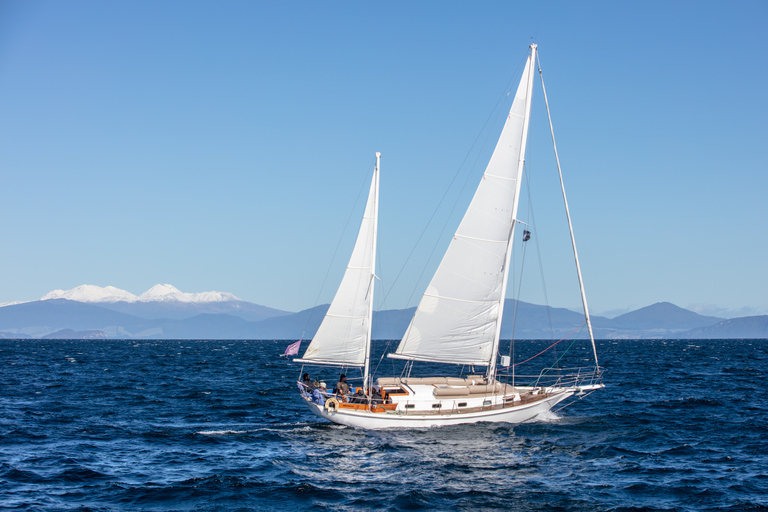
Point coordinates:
[(342, 388), (319, 394), (359, 397), (376, 395), (308, 382)]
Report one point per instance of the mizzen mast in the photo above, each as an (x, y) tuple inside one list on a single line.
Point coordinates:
[(369, 333)]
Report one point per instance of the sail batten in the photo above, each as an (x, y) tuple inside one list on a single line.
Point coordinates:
[(457, 319), (465, 237), (458, 300)]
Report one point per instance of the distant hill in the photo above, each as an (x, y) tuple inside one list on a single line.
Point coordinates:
[(205, 326), (293, 326), (755, 327), (45, 316), (662, 315), (523, 320), (67, 318), (180, 310), (13, 336)]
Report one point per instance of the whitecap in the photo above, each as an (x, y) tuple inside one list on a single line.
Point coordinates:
[(220, 432)]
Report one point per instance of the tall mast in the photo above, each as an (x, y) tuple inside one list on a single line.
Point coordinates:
[(491, 375), (373, 274), (570, 226)]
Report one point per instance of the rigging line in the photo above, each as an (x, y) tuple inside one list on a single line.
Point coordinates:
[(564, 352), (527, 176), (541, 264), (384, 353), (582, 397), (570, 225), (552, 345), (382, 300), (528, 169), (545, 371), (524, 249), (338, 244)]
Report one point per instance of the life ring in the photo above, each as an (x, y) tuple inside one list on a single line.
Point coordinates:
[(332, 403)]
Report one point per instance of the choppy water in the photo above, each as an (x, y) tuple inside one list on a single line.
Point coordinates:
[(212, 425)]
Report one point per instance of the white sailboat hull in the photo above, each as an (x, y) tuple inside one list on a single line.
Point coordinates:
[(400, 419)]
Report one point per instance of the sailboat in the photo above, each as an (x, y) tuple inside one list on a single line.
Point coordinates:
[(458, 320)]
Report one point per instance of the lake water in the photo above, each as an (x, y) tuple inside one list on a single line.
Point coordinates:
[(217, 425)]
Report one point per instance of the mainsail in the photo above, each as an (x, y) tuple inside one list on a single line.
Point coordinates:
[(343, 337), (458, 318)]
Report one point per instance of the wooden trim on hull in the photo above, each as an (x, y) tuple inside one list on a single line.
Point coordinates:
[(514, 414)]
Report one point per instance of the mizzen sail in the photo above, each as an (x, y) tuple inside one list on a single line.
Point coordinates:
[(343, 337)]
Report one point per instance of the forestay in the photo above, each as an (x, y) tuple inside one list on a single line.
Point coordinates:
[(456, 320)]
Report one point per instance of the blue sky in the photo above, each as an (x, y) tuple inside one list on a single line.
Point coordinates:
[(221, 146)]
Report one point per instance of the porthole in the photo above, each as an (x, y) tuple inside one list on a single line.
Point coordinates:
[(487, 402), (437, 406), (462, 404), (410, 406)]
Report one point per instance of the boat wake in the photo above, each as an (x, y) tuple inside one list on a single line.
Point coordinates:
[(547, 417)]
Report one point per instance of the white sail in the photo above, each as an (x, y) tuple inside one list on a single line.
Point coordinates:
[(456, 321), (343, 337)]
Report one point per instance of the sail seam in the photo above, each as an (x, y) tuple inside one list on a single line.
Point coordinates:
[(505, 178), (460, 300), (480, 239)]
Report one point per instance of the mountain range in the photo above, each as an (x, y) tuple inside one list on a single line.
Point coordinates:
[(164, 312)]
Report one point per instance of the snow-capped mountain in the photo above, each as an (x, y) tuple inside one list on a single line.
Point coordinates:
[(158, 293), (91, 293), (3, 304), (164, 301), (169, 293)]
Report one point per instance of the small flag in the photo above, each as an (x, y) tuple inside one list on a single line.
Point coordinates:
[(292, 349), (526, 235)]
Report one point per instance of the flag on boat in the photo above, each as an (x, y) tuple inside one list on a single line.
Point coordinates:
[(292, 349)]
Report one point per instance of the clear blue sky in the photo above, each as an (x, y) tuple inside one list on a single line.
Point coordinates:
[(221, 145)]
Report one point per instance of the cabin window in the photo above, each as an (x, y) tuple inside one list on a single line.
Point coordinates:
[(410, 406), (437, 406), (462, 404), (486, 402)]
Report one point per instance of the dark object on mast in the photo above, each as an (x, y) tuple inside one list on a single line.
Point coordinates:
[(526, 235)]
